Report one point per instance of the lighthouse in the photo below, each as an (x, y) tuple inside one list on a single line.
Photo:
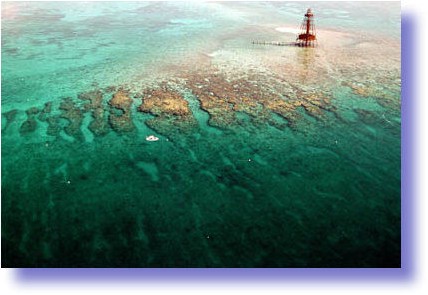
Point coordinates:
[(307, 35)]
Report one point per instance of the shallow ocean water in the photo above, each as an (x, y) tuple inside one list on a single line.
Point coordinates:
[(313, 185)]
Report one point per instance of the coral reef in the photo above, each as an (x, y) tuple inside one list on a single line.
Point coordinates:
[(32, 111), (217, 97), (228, 101), (222, 97), (10, 116), (121, 100), (47, 109), (73, 114), (54, 126), (29, 125), (98, 125), (171, 111), (94, 98), (373, 87), (164, 102), (110, 89), (171, 126), (120, 118)]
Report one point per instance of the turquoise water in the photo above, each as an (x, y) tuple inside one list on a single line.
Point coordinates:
[(267, 156)]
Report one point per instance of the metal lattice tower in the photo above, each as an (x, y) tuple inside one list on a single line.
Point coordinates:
[(307, 36)]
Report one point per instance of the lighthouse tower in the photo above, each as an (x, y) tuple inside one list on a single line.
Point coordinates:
[(307, 36)]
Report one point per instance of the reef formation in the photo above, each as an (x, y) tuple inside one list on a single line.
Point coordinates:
[(222, 98)]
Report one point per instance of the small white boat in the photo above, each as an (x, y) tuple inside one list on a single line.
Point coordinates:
[(152, 138)]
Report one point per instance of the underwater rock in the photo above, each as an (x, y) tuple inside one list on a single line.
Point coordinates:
[(121, 100), (53, 121), (54, 126), (173, 115), (357, 88), (368, 117), (10, 116), (71, 112), (221, 97), (273, 119), (46, 110), (121, 124), (312, 110), (217, 97), (94, 97), (110, 89), (32, 111), (248, 106), (389, 101), (28, 126), (172, 127), (316, 103), (164, 102), (284, 109), (120, 118), (99, 125), (375, 91)]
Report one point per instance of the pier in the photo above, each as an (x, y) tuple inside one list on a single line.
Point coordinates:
[(274, 43), (306, 38)]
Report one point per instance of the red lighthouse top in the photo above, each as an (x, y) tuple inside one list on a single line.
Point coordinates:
[(307, 36)]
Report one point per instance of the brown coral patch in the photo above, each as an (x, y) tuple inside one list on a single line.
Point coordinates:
[(47, 108), (121, 100), (98, 125), (255, 95), (164, 102), (172, 126), (120, 118), (54, 126), (28, 126), (280, 107), (72, 113), (366, 116), (32, 111), (10, 116), (94, 98), (389, 101), (315, 104), (358, 88), (217, 97), (222, 98), (374, 90), (110, 89), (173, 115), (121, 124)]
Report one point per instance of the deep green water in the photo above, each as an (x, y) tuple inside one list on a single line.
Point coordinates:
[(322, 193)]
